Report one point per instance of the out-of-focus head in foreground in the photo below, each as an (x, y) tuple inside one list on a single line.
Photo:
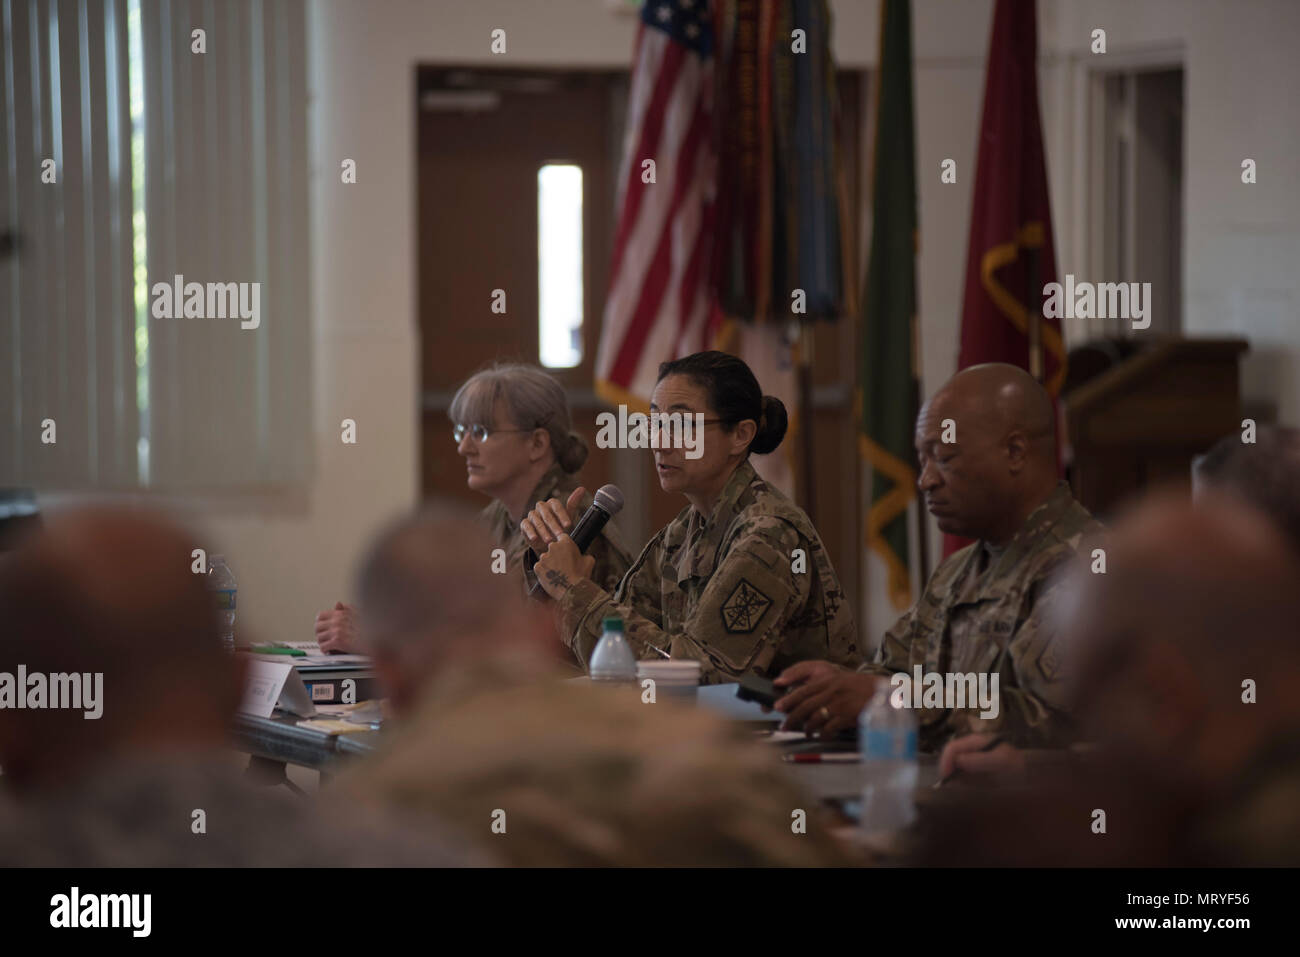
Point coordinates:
[(1198, 608), (1264, 473), (430, 602), (1186, 663), (110, 592), (538, 770), (141, 772)]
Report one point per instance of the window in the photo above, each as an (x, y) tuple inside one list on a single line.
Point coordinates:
[(1136, 179), (136, 164), (559, 265)]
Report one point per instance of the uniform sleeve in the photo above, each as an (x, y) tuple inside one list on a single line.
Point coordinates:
[(609, 549), (612, 558), (895, 651), (636, 599), (1034, 710), (743, 611), (892, 655)]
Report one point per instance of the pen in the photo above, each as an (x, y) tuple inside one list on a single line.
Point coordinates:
[(829, 757), (271, 650), (997, 739)]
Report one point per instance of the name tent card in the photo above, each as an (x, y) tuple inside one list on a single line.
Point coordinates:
[(268, 683)]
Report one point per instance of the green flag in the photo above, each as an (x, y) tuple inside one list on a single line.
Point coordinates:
[(889, 379)]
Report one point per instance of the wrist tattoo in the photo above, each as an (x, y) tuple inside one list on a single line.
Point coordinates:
[(558, 579)]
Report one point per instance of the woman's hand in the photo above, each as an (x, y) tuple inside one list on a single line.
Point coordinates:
[(336, 629), (561, 565), (549, 520)]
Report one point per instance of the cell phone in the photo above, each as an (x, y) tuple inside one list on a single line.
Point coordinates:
[(758, 689)]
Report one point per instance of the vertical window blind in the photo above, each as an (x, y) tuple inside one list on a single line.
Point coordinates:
[(167, 162)]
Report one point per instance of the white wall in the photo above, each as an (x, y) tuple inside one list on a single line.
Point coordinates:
[(1241, 243), (1241, 247)]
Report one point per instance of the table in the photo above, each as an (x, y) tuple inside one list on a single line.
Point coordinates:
[(276, 741), (843, 781)]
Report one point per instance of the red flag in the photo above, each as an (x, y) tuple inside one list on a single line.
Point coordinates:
[(1011, 256)]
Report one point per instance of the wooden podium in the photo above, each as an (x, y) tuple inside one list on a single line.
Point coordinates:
[(1140, 422)]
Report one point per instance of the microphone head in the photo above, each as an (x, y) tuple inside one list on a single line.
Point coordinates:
[(609, 498)]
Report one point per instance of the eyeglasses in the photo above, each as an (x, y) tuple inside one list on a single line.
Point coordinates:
[(672, 430), (479, 433)]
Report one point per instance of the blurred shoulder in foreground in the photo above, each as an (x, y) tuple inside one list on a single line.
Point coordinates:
[(131, 765), (542, 771), (1186, 660)]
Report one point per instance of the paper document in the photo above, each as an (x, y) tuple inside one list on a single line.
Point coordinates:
[(784, 737), (333, 660), (333, 726)]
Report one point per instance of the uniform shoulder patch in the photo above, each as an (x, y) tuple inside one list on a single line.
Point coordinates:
[(744, 608), (1049, 661)]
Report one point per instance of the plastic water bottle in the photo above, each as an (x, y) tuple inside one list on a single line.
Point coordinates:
[(887, 739), (612, 661), (221, 582)]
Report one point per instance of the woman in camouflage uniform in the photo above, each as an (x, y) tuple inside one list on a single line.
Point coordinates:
[(740, 580), (514, 430)]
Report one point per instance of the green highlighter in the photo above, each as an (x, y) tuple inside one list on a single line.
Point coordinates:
[(271, 650)]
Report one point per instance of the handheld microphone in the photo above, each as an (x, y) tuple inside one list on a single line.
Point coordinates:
[(605, 504)]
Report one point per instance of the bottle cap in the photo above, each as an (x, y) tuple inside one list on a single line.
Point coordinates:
[(612, 624)]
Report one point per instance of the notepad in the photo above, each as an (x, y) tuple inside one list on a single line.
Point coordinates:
[(784, 737), (335, 661), (333, 726)]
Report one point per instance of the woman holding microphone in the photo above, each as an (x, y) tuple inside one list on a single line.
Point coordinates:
[(739, 580)]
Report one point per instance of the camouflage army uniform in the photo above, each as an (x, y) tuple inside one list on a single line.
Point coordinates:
[(587, 776), (724, 590), (612, 556), (989, 610)]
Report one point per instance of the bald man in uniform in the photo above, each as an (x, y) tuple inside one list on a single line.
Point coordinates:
[(987, 451), (1183, 663)]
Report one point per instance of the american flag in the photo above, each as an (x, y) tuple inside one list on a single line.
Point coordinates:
[(659, 304)]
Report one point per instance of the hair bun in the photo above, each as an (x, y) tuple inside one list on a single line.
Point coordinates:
[(574, 454), (772, 426)]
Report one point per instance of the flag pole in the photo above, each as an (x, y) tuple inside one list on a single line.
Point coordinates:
[(806, 419), (1034, 313), (922, 533)]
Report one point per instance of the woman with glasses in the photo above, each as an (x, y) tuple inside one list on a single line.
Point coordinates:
[(512, 425), (739, 580)]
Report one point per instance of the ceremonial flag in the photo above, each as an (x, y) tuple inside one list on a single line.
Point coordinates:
[(740, 228), (889, 377), (1011, 256)]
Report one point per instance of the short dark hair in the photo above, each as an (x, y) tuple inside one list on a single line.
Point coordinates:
[(1265, 473), (734, 394)]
